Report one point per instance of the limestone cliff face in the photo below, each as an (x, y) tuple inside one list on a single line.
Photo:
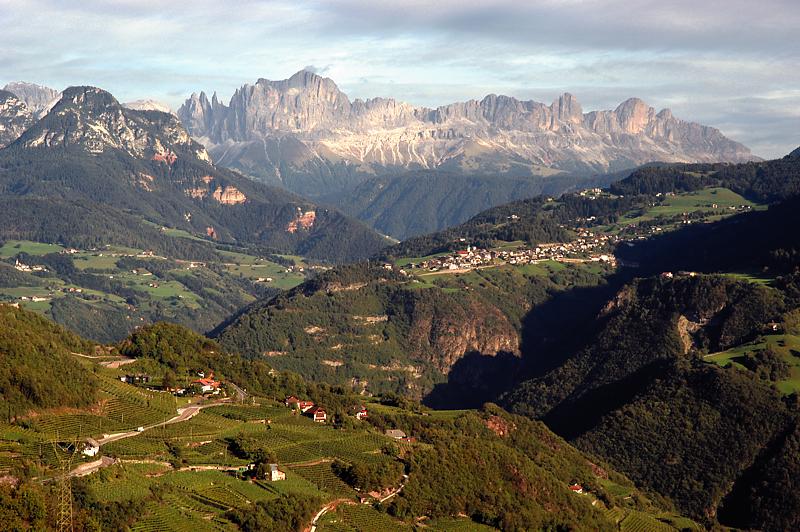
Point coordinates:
[(91, 119), (15, 118), (442, 332), (37, 98), (306, 125)]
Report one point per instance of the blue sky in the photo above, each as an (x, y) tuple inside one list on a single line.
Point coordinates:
[(732, 64)]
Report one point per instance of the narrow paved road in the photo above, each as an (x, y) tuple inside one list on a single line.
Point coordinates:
[(90, 467), (333, 504), (395, 492), (325, 509), (184, 414)]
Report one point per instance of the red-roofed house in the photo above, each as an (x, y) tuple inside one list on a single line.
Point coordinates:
[(208, 384), (305, 406), (291, 401), (577, 488), (318, 414)]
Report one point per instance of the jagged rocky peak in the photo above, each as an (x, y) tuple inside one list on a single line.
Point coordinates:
[(15, 118), (567, 109), (37, 98), (320, 130), (92, 119)]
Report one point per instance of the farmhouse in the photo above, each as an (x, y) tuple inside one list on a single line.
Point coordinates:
[(318, 414), (275, 474), (291, 401), (208, 384), (91, 447), (360, 413), (576, 488), (305, 406)]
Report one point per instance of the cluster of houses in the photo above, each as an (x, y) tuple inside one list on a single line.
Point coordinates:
[(26, 268), (584, 249), (307, 408), (317, 413), (206, 385)]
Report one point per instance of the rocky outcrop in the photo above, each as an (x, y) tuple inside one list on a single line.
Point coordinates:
[(15, 118), (228, 195), (442, 332), (91, 119), (306, 126), (303, 220), (37, 98)]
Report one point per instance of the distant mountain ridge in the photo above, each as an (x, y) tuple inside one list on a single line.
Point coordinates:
[(307, 135), (37, 98)]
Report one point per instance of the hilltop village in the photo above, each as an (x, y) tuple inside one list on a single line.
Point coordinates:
[(588, 247)]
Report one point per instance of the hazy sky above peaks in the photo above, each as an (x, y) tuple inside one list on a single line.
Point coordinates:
[(732, 64)]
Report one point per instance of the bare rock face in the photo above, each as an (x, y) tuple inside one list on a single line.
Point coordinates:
[(15, 118), (91, 119), (306, 126), (442, 336), (36, 97)]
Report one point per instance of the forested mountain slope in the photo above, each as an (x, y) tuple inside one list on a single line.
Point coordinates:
[(37, 369), (89, 153)]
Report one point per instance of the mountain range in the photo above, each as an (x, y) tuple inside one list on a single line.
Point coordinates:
[(409, 170), (88, 152), (291, 130)]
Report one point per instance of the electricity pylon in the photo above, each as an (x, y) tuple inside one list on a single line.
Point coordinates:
[(64, 522)]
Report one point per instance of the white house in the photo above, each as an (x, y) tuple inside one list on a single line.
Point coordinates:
[(91, 447), (276, 474)]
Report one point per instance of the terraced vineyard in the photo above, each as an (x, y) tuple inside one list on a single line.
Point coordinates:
[(322, 476), (122, 407), (359, 518)]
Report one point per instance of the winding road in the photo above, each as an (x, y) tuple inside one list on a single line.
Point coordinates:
[(184, 414)]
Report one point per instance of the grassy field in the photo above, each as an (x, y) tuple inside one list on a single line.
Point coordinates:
[(786, 345), (751, 277), (13, 247), (206, 293), (716, 201)]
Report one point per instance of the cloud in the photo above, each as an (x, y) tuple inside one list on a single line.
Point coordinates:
[(317, 70), (720, 62)]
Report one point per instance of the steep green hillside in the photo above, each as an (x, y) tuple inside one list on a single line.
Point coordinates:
[(641, 394), (382, 330), (37, 368)]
